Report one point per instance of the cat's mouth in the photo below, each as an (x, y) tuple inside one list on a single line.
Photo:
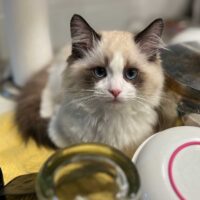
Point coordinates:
[(115, 101)]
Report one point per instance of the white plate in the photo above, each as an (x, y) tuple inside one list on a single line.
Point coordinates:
[(169, 164)]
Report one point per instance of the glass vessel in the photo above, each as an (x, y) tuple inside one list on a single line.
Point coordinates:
[(88, 172), (181, 66)]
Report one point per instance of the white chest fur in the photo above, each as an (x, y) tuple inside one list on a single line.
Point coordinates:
[(118, 128)]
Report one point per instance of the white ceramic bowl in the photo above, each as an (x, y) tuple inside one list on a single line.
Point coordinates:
[(169, 164)]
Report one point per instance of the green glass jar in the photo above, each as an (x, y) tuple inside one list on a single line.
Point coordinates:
[(88, 172)]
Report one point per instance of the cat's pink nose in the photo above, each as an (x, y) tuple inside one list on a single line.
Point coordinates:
[(115, 92)]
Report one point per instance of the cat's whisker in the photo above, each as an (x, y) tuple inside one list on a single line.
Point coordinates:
[(78, 100), (163, 97), (84, 92), (141, 100), (88, 98), (138, 101)]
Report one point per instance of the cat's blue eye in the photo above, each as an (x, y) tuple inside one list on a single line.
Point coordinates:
[(99, 72), (130, 73)]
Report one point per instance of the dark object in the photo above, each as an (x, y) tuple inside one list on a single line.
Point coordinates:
[(181, 63), (1, 180), (21, 187), (187, 107)]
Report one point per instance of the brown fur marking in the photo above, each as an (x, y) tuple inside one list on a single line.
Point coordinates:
[(27, 117)]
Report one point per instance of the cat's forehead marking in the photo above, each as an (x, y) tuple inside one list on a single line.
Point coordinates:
[(118, 45), (117, 40), (117, 62)]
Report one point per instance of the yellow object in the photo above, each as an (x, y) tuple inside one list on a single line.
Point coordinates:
[(16, 157)]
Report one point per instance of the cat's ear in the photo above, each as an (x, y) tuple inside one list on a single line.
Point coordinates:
[(149, 40), (83, 36)]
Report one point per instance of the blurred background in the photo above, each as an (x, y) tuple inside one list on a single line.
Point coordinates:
[(32, 31)]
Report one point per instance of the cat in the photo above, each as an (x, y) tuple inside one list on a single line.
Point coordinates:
[(108, 92)]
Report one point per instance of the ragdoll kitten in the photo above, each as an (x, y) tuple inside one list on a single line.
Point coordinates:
[(108, 92)]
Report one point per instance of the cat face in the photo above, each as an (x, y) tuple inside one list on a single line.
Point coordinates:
[(114, 67)]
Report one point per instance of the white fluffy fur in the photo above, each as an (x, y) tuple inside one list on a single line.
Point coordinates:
[(52, 93), (116, 129)]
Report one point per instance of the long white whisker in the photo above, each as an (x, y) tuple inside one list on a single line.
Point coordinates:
[(78, 100)]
